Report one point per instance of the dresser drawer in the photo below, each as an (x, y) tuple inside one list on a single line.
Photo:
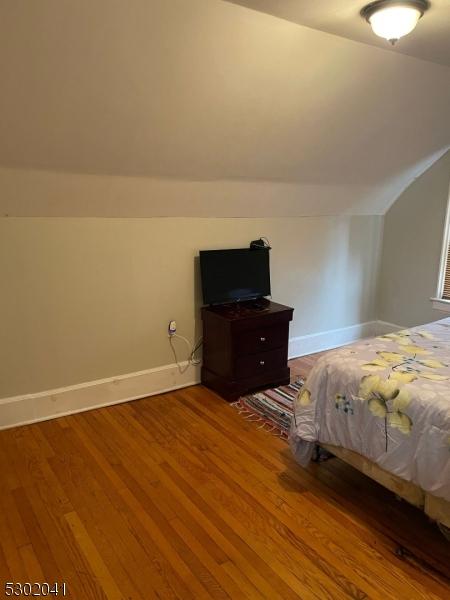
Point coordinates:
[(262, 362), (245, 348), (261, 339)]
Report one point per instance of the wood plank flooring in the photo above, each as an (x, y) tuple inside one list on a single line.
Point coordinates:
[(302, 366), (177, 496)]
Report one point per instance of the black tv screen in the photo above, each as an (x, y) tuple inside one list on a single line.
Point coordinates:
[(234, 275)]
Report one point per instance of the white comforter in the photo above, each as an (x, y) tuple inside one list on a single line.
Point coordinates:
[(388, 399)]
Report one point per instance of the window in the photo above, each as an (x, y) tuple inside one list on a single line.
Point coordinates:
[(446, 277), (442, 300)]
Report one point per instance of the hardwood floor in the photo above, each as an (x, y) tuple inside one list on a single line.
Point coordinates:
[(302, 366), (177, 496)]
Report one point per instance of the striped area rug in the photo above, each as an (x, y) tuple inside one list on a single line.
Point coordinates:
[(272, 408)]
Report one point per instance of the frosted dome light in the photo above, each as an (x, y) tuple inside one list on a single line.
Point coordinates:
[(392, 20)]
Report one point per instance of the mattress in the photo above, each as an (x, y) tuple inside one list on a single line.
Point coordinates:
[(386, 398)]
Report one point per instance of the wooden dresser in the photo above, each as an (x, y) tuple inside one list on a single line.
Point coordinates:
[(245, 347)]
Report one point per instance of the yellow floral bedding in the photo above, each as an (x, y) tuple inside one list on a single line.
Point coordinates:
[(388, 399)]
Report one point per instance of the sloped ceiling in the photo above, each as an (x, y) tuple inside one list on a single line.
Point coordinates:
[(207, 97), (430, 40)]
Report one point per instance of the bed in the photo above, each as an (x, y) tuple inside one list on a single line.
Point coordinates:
[(383, 405)]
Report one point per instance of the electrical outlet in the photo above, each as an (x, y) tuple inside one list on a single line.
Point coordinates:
[(172, 327)]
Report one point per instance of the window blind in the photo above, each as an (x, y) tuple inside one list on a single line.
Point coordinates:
[(446, 288)]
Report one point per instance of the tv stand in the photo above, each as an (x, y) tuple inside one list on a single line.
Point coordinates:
[(245, 347), (260, 304)]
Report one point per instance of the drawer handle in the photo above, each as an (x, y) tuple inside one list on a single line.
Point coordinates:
[(263, 339), (262, 363)]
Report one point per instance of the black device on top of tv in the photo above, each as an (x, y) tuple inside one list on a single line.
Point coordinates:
[(234, 275)]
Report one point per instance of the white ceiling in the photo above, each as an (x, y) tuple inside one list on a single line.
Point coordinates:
[(429, 41), (210, 91)]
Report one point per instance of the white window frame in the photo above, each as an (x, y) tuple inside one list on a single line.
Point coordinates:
[(438, 302)]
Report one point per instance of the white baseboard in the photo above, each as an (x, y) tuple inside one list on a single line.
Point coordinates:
[(326, 340), (31, 408), (382, 327)]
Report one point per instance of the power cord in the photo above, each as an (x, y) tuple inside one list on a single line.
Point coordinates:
[(192, 350)]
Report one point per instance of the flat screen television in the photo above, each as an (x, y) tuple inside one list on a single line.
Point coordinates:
[(234, 275)]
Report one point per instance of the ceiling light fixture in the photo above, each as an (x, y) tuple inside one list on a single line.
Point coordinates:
[(392, 20)]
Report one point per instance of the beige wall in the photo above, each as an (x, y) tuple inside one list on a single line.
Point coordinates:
[(413, 233), (86, 298)]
